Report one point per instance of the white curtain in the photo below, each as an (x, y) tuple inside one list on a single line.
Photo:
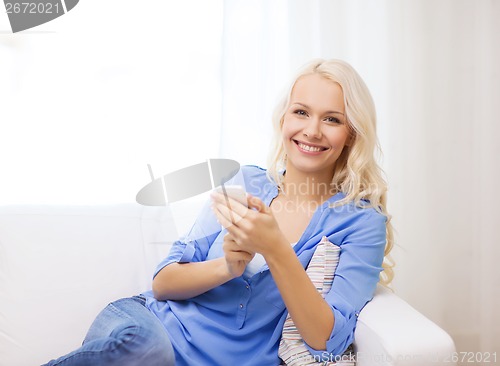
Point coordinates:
[(432, 67), (91, 98)]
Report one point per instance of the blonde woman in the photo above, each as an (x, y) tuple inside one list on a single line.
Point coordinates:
[(222, 298)]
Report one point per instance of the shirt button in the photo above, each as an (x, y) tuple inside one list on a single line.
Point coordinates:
[(247, 287), (241, 306)]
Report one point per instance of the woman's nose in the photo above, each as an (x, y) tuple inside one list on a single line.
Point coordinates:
[(313, 129)]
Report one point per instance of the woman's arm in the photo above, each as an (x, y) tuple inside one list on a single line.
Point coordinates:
[(356, 275), (180, 281), (257, 231), (311, 314)]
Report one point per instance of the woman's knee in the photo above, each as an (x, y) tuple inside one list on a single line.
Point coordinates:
[(149, 346), (160, 353), (139, 336)]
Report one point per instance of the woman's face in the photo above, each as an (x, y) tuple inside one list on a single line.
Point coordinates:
[(314, 128)]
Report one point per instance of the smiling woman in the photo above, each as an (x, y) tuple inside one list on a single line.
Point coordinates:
[(327, 117), (222, 297)]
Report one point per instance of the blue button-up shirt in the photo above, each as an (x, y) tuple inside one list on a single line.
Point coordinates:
[(240, 322)]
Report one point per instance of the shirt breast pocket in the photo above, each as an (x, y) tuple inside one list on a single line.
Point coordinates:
[(274, 297)]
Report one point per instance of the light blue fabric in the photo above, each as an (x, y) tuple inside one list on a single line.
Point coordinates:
[(255, 265), (125, 333), (240, 322)]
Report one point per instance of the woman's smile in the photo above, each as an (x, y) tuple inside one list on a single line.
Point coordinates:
[(309, 149)]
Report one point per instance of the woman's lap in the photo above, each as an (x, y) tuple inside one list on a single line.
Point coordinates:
[(125, 333)]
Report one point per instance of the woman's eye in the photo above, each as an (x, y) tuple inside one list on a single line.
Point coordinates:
[(300, 112), (332, 120)]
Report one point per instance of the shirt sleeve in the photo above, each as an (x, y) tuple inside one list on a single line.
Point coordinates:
[(355, 279), (195, 245)]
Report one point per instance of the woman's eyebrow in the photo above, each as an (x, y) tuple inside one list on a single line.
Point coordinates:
[(327, 112)]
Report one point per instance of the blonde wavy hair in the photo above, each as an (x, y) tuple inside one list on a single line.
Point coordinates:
[(356, 172)]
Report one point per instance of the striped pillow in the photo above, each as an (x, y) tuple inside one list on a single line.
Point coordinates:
[(320, 270)]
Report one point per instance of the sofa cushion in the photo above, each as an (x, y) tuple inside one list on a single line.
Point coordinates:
[(60, 265)]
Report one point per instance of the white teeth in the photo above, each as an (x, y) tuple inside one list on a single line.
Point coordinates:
[(309, 148)]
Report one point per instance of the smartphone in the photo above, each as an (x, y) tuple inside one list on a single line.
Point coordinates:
[(237, 193)]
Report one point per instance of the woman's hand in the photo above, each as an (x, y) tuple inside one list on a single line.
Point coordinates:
[(236, 258), (253, 229)]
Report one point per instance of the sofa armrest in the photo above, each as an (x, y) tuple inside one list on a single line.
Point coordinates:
[(390, 332)]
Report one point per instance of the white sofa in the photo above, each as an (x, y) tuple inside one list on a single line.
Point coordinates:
[(60, 265)]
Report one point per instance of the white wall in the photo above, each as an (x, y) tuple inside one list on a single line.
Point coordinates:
[(443, 162)]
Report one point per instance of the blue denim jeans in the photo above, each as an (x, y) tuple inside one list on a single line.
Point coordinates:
[(125, 333)]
